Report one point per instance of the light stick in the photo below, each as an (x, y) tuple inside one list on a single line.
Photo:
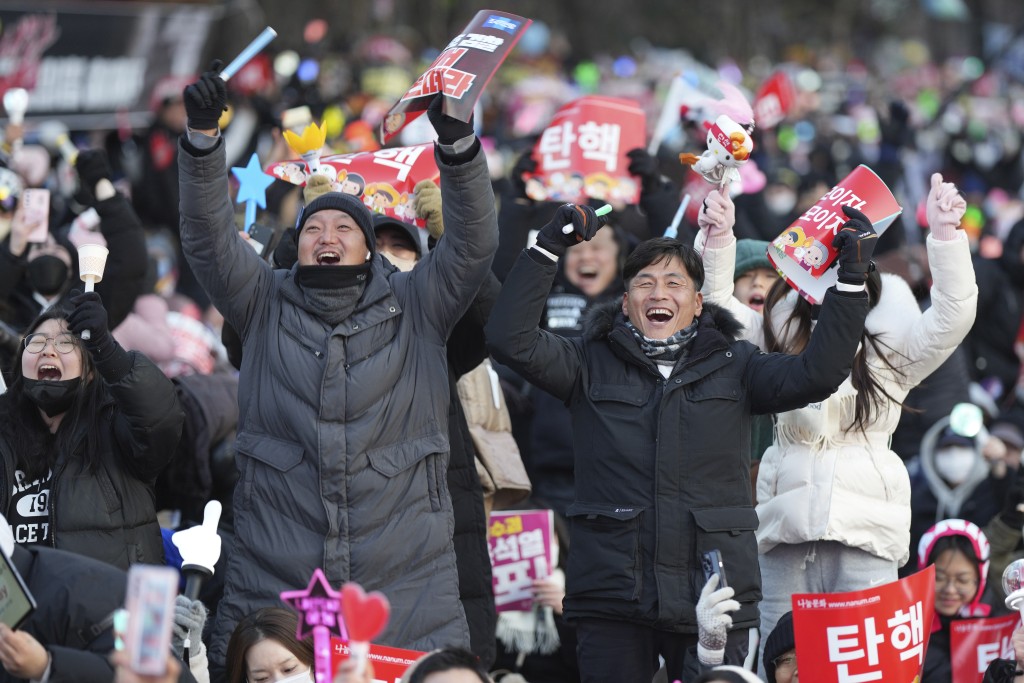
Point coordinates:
[(673, 230), (250, 51), (603, 211), (92, 259)]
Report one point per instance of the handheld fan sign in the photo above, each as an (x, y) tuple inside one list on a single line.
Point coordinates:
[(365, 618), (92, 259)]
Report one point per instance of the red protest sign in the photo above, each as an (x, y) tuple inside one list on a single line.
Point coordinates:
[(522, 548), (774, 100), (461, 71), (383, 179), (389, 663), (974, 643), (582, 152), (878, 634), (803, 254)]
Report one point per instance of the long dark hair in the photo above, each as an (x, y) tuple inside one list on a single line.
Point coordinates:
[(35, 448), (796, 333), (276, 623)]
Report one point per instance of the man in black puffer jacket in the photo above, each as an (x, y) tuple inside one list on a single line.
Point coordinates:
[(661, 393)]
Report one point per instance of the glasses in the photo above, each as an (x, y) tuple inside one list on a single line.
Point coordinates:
[(963, 583), (64, 343), (786, 663)]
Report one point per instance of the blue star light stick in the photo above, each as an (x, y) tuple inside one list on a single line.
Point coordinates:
[(252, 188)]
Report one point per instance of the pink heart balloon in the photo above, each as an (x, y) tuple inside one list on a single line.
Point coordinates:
[(365, 615)]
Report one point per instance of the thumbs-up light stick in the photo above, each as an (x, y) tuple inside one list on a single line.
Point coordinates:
[(15, 104), (603, 211), (92, 259), (200, 549), (250, 51)]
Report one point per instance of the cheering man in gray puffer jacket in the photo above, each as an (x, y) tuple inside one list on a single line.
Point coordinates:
[(343, 393)]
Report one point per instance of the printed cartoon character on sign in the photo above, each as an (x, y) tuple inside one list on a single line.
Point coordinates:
[(729, 146), (291, 172), (794, 237), (812, 256), (380, 197), (405, 209), (350, 183), (599, 186)]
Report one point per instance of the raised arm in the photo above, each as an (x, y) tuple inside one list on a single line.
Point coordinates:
[(447, 281), (954, 293), (716, 245), (236, 279), (150, 418), (513, 332)]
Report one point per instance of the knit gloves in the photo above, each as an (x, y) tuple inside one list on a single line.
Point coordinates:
[(717, 217), (189, 621), (944, 208), (713, 621), (428, 206)]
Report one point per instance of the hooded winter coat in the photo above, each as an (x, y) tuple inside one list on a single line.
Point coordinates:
[(343, 431), (662, 463), (823, 479), (108, 513)]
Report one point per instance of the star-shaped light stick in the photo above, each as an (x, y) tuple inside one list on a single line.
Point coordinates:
[(319, 608), (252, 188)]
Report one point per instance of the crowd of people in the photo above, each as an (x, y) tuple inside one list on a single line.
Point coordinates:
[(664, 392)]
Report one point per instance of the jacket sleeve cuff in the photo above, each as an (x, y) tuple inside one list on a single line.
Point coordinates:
[(113, 362), (461, 151), (710, 657), (199, 144)]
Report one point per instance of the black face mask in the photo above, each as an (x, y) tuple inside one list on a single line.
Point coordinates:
[(47, 274), (53, 398)]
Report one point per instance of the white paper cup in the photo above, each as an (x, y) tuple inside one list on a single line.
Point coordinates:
[(92, 259)]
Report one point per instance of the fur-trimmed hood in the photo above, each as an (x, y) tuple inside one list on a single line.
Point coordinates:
[(601, 319)]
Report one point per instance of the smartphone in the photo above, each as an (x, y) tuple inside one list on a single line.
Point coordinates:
[(150, 605), (16, 602), (34, 213), (711, 562), (260, 237)]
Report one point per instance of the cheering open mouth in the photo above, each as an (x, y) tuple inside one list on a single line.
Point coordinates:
[(328, 258), (659, 315), (48, 372)]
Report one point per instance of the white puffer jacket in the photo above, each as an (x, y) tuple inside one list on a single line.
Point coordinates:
[(822, 479)]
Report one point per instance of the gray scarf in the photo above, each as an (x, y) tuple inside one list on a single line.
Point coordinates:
[(665, 351), (335, 304)]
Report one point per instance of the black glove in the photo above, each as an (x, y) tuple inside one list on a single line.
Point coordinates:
[(585, 223), (112, 361), (92, 166), (1010, 515), (206, 99), (449, 130), (855, 242), (524, 164), (645, 167), (286, 253)]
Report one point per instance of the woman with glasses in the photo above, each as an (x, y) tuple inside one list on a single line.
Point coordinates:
[(960, 553), (84, 430)]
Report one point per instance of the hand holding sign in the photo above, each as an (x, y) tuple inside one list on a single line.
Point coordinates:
[(449, 129), (365, 618), (856, 242)]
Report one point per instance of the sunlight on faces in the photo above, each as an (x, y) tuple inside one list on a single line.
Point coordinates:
[(393, 244), (592, 266), (268, 661), (956, 581), (662, 299), (49, 364), (752, 287), (332, 238)]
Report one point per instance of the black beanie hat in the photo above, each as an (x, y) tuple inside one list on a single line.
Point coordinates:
[(346, 203), (410, 231), (780, 641)]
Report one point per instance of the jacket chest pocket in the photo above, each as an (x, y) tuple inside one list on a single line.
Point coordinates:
[(278, 455), (606, 557), (399, 464), (715, 389), (619, 400), (730, 530)]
